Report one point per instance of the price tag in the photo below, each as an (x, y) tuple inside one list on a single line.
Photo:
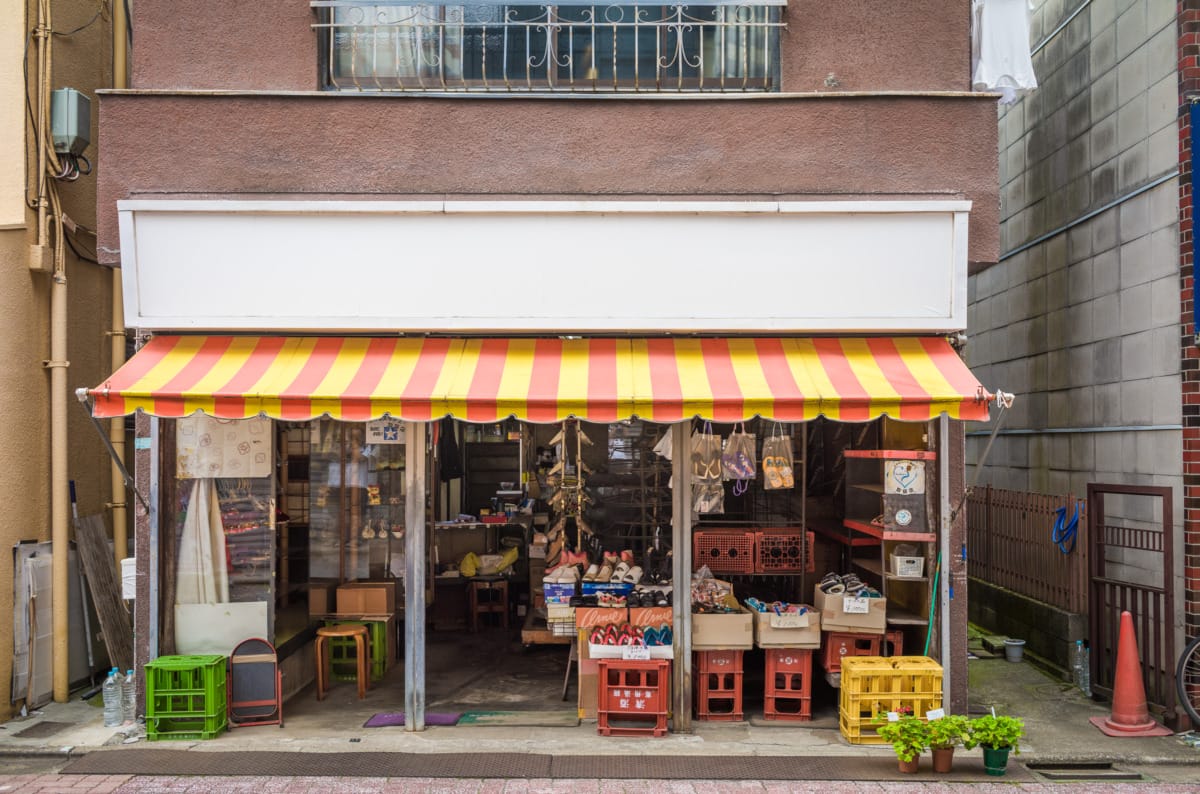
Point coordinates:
[(856, 606), (893, 716), (935, 714), (635, 653)]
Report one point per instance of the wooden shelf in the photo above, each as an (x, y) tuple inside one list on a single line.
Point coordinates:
[(838, 534), (898, 617), (868, 528), (891, 454)]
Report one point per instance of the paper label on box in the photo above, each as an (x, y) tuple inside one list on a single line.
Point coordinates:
[(635, 653), (856, 606), (935, 714), (789, 621)]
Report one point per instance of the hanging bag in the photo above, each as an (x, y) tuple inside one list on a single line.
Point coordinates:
[(737, 461), (706, 455), (777, 461), (708, 497)]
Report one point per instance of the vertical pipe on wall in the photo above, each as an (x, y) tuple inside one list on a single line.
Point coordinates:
[(414, 576), (116, 428), (681, 573), (943, 594)]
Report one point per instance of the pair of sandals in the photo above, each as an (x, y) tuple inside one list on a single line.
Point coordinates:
[(624, 573), (650, 598), (778, 472)]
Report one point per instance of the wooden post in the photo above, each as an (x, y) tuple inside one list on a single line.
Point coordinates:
[(414, 576), (681, 575)]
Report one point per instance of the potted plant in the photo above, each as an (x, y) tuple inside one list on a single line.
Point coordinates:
[(997, 735), (909, 736), (944, 735)]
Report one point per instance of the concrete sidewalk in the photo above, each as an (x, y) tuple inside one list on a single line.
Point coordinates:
[(1056, 716)]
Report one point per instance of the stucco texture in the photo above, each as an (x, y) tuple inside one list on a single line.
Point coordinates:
[(915, 45), (372, 147)]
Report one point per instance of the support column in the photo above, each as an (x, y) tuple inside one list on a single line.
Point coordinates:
[(414, 576), (145, 546), (952, 539), (681, 574)]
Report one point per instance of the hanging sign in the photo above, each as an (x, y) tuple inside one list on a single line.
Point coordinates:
[(385, 431), (904, 477)]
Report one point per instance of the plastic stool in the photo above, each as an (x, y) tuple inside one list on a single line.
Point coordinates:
[(496, 603), (362, 656)]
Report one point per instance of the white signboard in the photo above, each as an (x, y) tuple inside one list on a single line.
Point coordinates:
[(904, 477), (208, 447), (385, 431), (473, 266)]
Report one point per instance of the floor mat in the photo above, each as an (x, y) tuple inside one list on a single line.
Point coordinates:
[(41, 730), (522, 719), (397, 718), (147, 761)]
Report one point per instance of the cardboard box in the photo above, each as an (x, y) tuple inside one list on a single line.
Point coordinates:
[(788, 630), (589, 679), (651, 616), (366, 598), (834, 616), (320, 599), (590, 617), (716, 632)]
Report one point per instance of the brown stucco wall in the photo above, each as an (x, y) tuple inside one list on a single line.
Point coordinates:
[(81, 61), (370, 147), (866, 44)]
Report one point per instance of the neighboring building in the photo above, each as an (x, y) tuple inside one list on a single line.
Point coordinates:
[(1089, 310), (399, 170), (81, 59)]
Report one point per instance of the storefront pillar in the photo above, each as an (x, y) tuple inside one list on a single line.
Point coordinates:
[(414, 576), (681, 574)]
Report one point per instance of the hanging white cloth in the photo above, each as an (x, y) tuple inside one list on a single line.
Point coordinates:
[(202, 576), (1000, 38)]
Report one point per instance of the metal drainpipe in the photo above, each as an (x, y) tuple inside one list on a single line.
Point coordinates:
[(116, 427)]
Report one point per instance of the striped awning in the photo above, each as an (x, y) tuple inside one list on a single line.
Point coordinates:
[(545, 380)]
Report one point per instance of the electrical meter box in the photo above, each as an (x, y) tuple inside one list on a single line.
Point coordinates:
[(70, 121)]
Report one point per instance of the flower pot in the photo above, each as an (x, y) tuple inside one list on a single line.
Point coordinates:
[(943, 759), (912, 766), (1014, 650), (995, 759)]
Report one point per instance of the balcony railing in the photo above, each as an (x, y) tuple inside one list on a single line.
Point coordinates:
[(572, 46)]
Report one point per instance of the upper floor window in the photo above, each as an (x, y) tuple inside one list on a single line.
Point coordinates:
[(572, 46)]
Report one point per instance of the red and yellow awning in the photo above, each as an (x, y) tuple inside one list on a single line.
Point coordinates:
[(545, 380)]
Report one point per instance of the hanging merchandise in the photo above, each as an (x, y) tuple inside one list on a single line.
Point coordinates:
[(708, 497), (708, 491), (737, 461), (449, 458), (777, 461)]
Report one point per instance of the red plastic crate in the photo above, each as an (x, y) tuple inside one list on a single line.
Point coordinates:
[(724, 551), (718, 677), (784, 551), (835, 645), (633, 697), (787, 695), (893, 643)]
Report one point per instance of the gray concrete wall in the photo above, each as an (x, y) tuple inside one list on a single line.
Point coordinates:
[(1084, 326)]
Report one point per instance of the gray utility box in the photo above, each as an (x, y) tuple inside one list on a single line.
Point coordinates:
[(70, 121)]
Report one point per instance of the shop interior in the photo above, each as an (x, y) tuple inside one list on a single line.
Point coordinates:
[(516, 510)]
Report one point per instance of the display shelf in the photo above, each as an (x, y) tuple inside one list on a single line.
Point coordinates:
[(838, 533), (890, 454), (900, 617), (879, 533)]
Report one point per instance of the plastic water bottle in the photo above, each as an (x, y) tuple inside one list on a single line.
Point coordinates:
[(1082, 668), (111, 691), (129, 698)]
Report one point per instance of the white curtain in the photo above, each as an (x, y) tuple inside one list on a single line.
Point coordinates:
[(1000, 51), (202, 575), (399, 46)]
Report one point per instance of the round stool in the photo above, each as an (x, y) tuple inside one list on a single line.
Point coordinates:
[(362, 656)]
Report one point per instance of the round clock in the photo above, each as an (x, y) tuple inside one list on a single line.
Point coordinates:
[(903, 517)]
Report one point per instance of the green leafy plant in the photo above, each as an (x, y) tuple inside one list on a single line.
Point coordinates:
[(909, 736), (1001, 731), (950, 731)]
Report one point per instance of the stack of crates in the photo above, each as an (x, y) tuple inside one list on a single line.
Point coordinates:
[(186, 697), (343, 651), (872, 686), (787, 693), (718, 677), (633, 697)]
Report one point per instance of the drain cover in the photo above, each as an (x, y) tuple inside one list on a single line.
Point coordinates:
[(1099, 770)]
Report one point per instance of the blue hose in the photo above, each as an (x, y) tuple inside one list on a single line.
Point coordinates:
[(1064, 532)]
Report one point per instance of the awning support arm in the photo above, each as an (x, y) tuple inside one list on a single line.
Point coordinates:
[(1004, 401), (85, 401)]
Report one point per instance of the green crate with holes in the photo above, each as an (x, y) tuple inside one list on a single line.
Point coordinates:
[(343, 651), (185, 697)]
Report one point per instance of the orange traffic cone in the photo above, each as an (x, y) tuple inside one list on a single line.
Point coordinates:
[(1130, 717)]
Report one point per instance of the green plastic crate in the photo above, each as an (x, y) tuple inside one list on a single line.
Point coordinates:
[(343, 651), (185, 697)]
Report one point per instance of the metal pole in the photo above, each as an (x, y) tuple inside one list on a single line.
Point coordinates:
[(414, 576), (943, 594)]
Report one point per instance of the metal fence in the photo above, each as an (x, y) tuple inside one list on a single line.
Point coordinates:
[(1010, 546), (615, 46)]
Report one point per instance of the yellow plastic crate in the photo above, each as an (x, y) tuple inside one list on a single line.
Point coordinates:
[(862, 675)]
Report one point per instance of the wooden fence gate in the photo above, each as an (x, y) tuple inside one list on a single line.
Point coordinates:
[(1132, 569)]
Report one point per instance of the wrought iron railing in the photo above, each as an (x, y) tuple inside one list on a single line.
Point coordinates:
[(573, 46)]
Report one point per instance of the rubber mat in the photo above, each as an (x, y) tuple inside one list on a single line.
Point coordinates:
[(397, 718), (146, 761)]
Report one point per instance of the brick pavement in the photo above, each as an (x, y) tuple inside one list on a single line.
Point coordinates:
[(144, 784)]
